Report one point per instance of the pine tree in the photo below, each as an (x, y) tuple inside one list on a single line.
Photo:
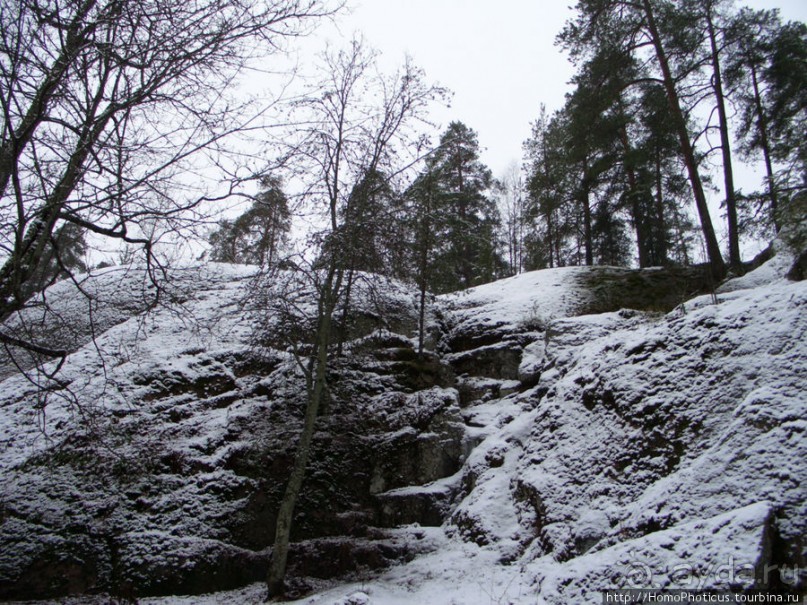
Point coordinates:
[(767, 78), (64, 255), (429, 226), (633, 28), (467, 253), (752, 36), (595, 125), (259, 234), (661, 187), (371, 238), (787, 74), (546, 190), (371, 232)]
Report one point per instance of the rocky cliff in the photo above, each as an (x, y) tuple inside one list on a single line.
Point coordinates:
[(553, 437)]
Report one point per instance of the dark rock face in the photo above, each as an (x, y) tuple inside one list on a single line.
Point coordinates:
[(336, 557), (410, 458), (181, 505), (659, 289), (799, 269), (429, 508), (60, 569), (174, 488), (500, 360), (159, 564)]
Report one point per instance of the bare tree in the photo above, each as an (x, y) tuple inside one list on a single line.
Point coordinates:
[(511, 199), (110, 109), (354, 122)]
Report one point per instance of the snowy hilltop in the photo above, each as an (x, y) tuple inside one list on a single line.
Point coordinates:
[(567, 431)]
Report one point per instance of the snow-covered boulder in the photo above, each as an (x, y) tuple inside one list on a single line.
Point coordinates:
[(731, 551)]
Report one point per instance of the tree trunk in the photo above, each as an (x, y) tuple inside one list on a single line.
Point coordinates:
[(550, 237), (425, 243), (424, 283), (661, 223), (725, 146), (682, 245), (466, 266), (343, 321), (28, 253), (762, 126), (422, 320), (316, 384), (549, 221), (520, 232), (717, 265), (588, 239), (633, 194)]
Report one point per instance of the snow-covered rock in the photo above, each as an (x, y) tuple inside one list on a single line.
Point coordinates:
[(156, 464), (565, 444), (727, 552)]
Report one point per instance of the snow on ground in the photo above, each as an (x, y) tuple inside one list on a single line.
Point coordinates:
[(534, 297), (769, 272)]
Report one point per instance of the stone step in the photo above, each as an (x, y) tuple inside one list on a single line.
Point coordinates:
[(476, 389), (427, 505)]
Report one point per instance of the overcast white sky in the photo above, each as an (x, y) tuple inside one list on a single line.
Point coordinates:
[(498, 58)]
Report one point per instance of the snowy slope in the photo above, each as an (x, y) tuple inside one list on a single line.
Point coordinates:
[(536, 297), (607, 450), (104, 373), (652, 453)]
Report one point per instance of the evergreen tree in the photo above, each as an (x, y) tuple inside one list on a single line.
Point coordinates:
[(632, 29), (466, 254), (697, 42), (577, 163), (596, 122), (752, 35), (767, 78), (256, 237), (661, 188), (372, 235), (787, 74), (547, 191), (429, 226), (371, 238), (63, 256), (611, 243)]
